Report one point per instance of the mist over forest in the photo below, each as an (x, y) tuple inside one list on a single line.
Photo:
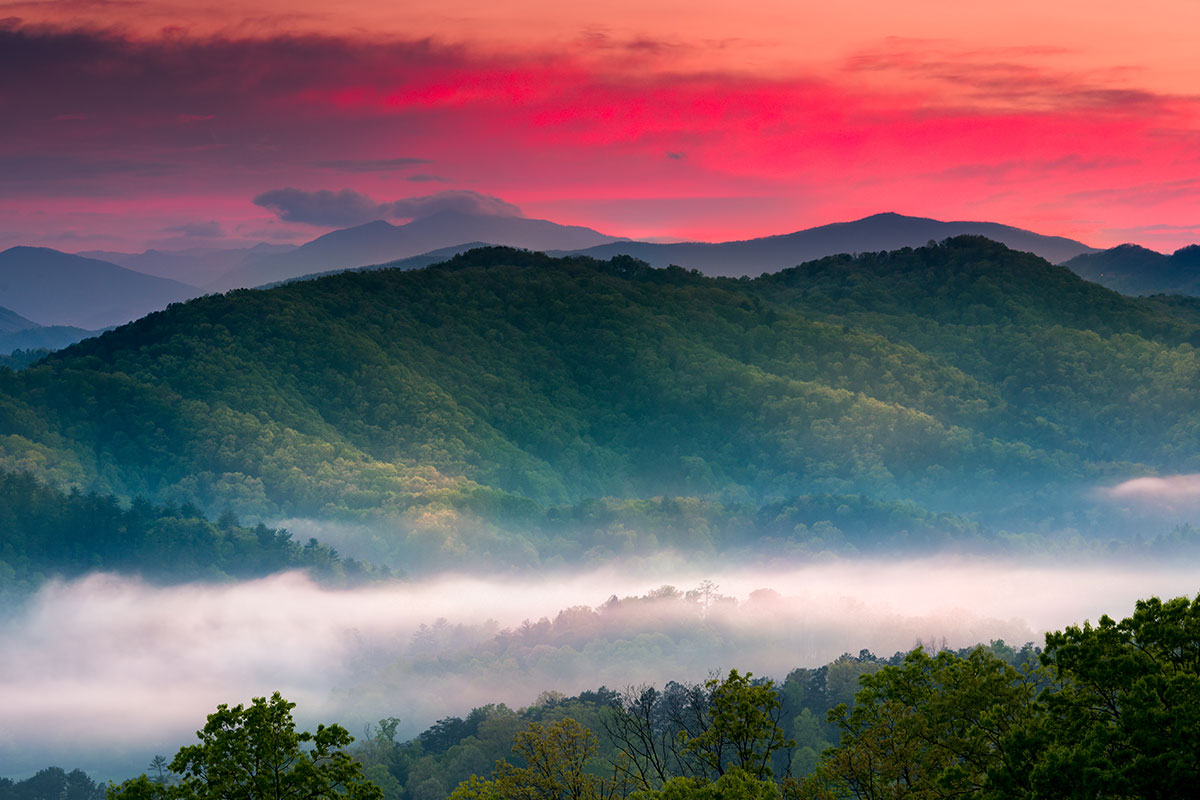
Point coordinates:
[(623, 400), (508, 480), (77, 655)]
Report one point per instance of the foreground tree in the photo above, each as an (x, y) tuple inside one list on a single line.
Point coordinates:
[(1125, 720), (743, 729), (558, 765), (255, 753), (939, 726)]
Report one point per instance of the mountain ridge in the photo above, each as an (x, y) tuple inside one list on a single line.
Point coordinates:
[(380, 241), (878, 232), (959, 376), (1136, 270), (61, 289)]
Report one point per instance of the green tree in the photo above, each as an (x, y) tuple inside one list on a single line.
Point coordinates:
[(255, 753), (1125, 721), (743, 729), (159, 766), (934, 727), (558, 762), (735, 784)]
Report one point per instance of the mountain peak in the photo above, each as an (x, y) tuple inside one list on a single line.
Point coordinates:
[(373, 225)]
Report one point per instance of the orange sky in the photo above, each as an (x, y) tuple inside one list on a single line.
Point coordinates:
[(158, 123)]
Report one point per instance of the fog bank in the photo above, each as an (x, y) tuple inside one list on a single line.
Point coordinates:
[(104, 672)]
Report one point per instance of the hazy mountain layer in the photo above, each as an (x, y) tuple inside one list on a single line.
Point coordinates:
[(18, 333), (197, 266), (54, 288), (11, 322), (1135, 270), (51, 337), (380, 241), (878, 232), (412, 262), (963, 376)]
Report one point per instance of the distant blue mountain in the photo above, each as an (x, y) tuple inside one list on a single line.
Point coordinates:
[(55, 288), (195, 266), (379, 242), (19, 333), (412, 262), (870, 234), (11, 322)]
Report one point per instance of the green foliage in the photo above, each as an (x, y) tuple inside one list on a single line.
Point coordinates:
[(256, 753), (49, 532), (1115, 715), (735, 784), (642, 734), (1112, 713), (1125, 718), (20, 359), (52, 782), (961, 376), (933, 727), (555, 764), (743, 729)]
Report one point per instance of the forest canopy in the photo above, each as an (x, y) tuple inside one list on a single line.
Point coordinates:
[(479, 394)]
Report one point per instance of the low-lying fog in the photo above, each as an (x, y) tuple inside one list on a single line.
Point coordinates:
[(105, 672)]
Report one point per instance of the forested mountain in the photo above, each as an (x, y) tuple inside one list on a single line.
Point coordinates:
[(42, 337), (963, 376), (877, 232), (18, 333), (11, 322), (1135, 270), (54, 288), (412, 262), (20, 359), (50, 533)]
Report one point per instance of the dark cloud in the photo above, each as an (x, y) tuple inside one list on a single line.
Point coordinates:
[(152, 92), (198, 230), (68, 5), (676, 155), (57, 175), (423, 178), (371, 164), (1143, 195), (997, 172), (462, 201), (323, 207), (348, 207)]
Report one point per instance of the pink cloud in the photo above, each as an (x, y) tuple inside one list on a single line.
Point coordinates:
[(941, 132)]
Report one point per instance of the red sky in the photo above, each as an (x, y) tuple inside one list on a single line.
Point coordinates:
[(130, 124)]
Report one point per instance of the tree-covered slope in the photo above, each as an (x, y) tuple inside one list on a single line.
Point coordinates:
[(958, 375), (1131, 269), (49, 533)]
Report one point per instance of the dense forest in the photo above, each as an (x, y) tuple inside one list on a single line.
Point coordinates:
[(468, 400), (52, 782), (1102, 711), (51, 533)]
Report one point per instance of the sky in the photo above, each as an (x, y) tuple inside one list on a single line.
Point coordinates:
[(132, 124)]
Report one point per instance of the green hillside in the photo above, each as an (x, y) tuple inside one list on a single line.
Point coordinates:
[(963, 376), (49, 533)]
